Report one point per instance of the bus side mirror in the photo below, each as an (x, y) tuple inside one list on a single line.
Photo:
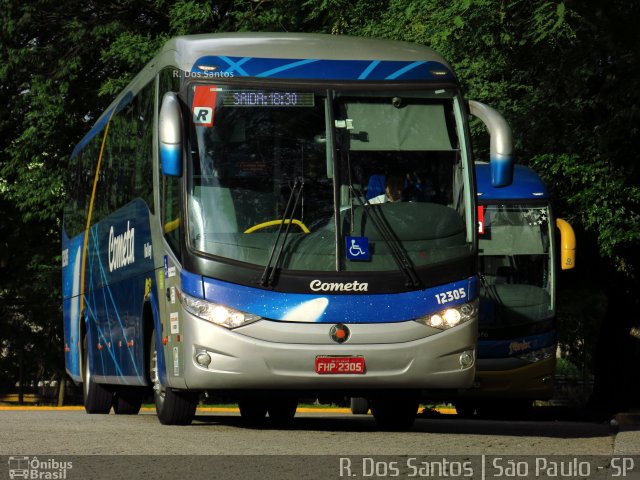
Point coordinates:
[(567, 244), (170, 135), (501, 149)]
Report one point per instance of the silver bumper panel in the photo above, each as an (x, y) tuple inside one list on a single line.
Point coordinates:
[(416, 358)]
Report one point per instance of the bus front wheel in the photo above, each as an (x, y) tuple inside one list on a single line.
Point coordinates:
[(174, 407), (465, 408), (395, 413), (97, 398), (252, 410), (359, 406), (282, 409)]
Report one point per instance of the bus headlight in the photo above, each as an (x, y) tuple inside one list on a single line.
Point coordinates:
[(451, 317), (216, 313)]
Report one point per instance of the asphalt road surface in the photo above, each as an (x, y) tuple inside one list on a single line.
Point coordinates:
[(312, 447)]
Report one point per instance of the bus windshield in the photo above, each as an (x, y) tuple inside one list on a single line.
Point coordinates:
[(515, 263), (383, 168)]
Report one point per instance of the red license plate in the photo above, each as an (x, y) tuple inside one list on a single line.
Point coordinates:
[(340, 365)]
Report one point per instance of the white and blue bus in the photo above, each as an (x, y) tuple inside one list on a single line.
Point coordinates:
[(227, 229), (519, 255)]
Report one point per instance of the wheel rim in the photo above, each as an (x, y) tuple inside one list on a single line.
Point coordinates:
[(87, 377)]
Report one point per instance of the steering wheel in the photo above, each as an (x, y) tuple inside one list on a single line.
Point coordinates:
[(271, 223)]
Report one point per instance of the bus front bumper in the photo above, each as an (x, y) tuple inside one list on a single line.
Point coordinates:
[(279, 355), (533, 381)]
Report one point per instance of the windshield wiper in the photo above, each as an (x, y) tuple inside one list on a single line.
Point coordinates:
[(491, 290), (269, 272), (386, 232)]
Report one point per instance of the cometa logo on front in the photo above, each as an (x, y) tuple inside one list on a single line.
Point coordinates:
[(355, 286), (121, 248)]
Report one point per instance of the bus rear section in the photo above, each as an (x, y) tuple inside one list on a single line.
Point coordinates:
[(313, 231)]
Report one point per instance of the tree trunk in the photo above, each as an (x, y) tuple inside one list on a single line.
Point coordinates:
[(21, 376), (62, 384)]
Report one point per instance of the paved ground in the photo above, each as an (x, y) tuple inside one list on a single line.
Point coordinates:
[(319, 444), (326, 432)]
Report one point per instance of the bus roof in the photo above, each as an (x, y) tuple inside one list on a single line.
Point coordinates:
[(300, 56), (309, 46), (526, 185)]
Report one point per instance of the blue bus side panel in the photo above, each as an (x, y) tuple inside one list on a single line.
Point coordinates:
[(328, 308), (514, 347), (118, 279), (72, 263)]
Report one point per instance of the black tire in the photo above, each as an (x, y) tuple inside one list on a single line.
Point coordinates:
[(174, 407), (465, 409), (359, 406), (395, 412), (491, 411), (127, 401), (521, 409), (506, 409), (97, 398), (252, 410), (282, 409)]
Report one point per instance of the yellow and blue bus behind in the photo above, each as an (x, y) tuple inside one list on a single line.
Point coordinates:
[(519, 254)]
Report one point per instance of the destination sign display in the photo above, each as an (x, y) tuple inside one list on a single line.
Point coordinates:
[(267, 98)]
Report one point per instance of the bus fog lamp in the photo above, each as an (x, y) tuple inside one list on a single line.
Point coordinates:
[(466, 358), (203, 359)]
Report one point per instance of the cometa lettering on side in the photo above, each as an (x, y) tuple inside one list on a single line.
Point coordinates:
[(121, 248)]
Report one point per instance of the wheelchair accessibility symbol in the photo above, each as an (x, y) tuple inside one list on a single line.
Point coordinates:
[(357, 248)]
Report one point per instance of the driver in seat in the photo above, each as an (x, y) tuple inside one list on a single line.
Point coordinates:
[(393, 190)]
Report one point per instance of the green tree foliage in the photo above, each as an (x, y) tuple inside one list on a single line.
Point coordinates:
[(563, 73), (55, 64)]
